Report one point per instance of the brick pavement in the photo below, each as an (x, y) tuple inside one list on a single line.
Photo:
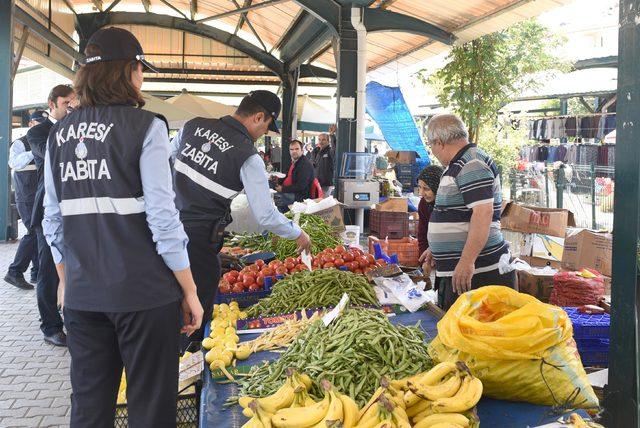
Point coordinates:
[(34, 376)]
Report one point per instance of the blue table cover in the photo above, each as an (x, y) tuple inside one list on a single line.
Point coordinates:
[(492, 413)]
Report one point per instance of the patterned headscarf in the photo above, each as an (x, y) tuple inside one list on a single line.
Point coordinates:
[(431, 176)]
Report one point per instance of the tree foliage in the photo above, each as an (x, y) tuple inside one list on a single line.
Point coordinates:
[(481, 76)]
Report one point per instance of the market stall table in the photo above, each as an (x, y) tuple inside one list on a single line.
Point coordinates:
[(492, 413)]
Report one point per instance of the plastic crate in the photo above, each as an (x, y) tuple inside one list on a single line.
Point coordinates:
[(188, 414), (406, 249), (244, 300), (389, 224), (594, 352), (589, 326)]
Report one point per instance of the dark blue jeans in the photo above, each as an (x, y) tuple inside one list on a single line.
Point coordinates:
[(28, 248), (47, 288)]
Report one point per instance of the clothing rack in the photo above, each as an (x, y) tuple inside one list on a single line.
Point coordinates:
[(591, 126)]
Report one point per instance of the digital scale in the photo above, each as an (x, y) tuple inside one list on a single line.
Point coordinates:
[(357, 187)]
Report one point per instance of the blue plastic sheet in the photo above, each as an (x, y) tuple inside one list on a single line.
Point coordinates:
[(493, 413), (387, 107)]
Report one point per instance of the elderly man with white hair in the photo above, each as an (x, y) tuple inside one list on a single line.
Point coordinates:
[(465, 240)]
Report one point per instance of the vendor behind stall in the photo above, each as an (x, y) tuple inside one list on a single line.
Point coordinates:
[(215, 161)]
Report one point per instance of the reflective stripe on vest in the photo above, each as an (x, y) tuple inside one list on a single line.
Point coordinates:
[(104, 205), (30, 167), (203, 181)]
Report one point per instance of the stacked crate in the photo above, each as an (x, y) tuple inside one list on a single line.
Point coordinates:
[(591, 333)]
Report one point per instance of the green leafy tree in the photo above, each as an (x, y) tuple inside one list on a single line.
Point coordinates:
[(481, 76)]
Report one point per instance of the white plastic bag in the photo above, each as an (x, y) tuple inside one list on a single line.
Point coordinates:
[(410, 295)]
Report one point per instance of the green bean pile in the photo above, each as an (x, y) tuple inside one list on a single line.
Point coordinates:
[(353, 353), (249, 241), (321, 234), (314, 289)]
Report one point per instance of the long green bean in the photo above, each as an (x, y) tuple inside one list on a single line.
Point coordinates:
[(357, 370)]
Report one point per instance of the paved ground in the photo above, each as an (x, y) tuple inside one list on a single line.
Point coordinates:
[(34, 376)]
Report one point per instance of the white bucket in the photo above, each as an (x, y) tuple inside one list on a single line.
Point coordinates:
[(351, 235)]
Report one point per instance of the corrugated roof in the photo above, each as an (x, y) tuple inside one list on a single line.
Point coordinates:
[(266, 26)]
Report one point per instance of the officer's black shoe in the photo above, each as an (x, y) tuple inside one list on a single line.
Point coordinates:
[(33, 279), (57, 339), (18, 281)]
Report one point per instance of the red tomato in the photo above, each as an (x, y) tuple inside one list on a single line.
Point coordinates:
[(351, 266), (347, 257), (362, 262), (289, 265), (338, 262), (237, 288), (248, 280), (260, 279), (328, 258), (367, 270), (224, 288), (357, 251), (358, 271), (328, 265), (281, 270), (301, 266), (371, 259), (254, 268), (274, 263), (227, 277), (240, 278), (259, 263), (328, 250), (340, 249), (255, 287), (234, 275), (289, 260)]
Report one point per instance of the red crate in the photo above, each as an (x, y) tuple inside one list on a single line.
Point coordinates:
[(406, 249), (389, 224)]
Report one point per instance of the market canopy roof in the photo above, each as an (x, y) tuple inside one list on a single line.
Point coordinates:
[(240, 41)]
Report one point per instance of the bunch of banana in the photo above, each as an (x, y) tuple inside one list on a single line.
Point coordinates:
[(284, 397), (445, 394), (334, 410), (259, 418), (222, 343), (383, 412)]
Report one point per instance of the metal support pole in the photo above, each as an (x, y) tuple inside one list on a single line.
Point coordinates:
[(289, 94), (564, 109), (546, 183), (560, 183), (621, 399), (593, 197), (6, 93), (512, 185)]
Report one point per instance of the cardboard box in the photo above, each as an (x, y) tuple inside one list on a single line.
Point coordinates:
[(538, 262), (545, 221), (333, 217), (399, 205), (396, 156), (585, 248), (544, 247), (536, 283)]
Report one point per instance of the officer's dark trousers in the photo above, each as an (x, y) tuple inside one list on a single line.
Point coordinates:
[(147, 343), (28, 248), (47, 288), (205, 268)]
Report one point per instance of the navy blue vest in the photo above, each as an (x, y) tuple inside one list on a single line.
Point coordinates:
[(25, 181), (111, 263), (207, 168)]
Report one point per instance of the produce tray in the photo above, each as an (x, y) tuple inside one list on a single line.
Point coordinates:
[(594, 326), (244, 300), (250, 325)]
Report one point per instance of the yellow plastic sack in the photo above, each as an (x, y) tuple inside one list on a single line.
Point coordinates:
[(521, 349)]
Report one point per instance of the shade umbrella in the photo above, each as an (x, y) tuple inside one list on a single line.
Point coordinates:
[(201, 107), (175, 115), (312, 116)]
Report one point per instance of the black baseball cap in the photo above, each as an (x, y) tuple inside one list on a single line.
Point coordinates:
[(271, 103), (39, 116), (117, 44)]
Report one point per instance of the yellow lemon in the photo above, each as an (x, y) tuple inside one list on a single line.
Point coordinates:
[(207, 343), (229, 331), (243, 352), (227, 357), (213, 354)]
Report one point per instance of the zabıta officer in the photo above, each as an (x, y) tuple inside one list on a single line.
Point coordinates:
[(117, 240), (215, 161)]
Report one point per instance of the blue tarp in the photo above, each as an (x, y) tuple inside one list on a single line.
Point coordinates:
[(388, 108)]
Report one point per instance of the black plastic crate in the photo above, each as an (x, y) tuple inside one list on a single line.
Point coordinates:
[(188, 414)]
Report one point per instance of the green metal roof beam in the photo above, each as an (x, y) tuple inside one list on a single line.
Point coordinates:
[(51, 38), (236, 82), (327, 11), (603, 62), (308, 70), (386, 20), (172, 22)]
